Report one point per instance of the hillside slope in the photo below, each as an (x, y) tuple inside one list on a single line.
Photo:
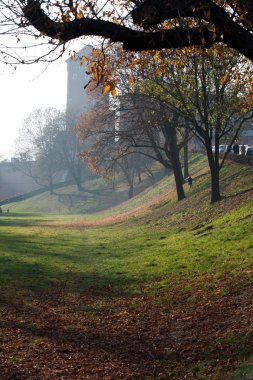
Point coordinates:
[(97, 195), (150, 289), (100, 195)]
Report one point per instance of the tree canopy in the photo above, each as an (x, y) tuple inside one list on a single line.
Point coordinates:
[(138, 25), (207, 92)]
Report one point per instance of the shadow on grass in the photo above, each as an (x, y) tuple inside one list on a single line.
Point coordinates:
[(20, 219), (31, 266), (195, 158), (239, 193), (34, 278)]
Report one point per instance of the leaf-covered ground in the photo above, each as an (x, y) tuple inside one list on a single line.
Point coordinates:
[(62, 335), (163, 292)]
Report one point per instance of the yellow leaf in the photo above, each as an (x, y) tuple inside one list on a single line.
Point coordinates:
[(225, 78), (82, 61), (106, 88), (113, 91), (79, 15)]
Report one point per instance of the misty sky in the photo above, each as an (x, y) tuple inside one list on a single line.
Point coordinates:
[(25, 89)]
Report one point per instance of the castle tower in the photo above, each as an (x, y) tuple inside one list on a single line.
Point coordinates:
[(78, 101)]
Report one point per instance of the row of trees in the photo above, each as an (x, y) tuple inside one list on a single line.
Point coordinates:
[(48, 148), (165, 98)]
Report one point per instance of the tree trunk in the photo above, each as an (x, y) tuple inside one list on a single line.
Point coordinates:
[(130, 191), (79, 176), (175, 161), (51, 186), (80, 187), (75, 172), (150, 173), (213, 161), (179, 184), (215, 189), (129, 178), (139, 175)]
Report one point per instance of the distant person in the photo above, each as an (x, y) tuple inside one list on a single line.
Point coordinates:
[(189, 180), (243, 150), (8, 210), (236, 149)]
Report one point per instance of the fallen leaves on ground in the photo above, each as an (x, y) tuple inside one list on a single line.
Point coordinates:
[(61, 334)]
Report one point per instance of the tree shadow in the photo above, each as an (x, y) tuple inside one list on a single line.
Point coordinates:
[(239, 193), (137, 342), (20, 219), (28, 265)]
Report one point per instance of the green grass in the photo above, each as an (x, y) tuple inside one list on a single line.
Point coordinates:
[(33, 256), (183, 257), (149, 245), (245, 372)]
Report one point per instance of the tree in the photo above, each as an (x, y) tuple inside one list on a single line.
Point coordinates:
[(153, 132), (68, 149), (131, 167), (106, 152), (211, 90), (135, 126), (144, 25), (46, 139), (129, 72), (37, 139)]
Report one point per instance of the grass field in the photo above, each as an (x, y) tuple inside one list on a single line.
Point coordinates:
[(150, 289)]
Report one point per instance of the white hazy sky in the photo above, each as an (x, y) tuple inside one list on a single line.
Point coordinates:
[(24, 90)]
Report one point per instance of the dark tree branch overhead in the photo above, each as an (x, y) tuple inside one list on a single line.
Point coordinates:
[(217, 25), (193, 23), (131, 39)]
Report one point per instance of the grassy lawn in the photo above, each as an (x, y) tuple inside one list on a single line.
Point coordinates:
[(164, 292), (36, 253)]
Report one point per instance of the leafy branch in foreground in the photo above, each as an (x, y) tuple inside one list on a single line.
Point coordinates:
[(147, 25)]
